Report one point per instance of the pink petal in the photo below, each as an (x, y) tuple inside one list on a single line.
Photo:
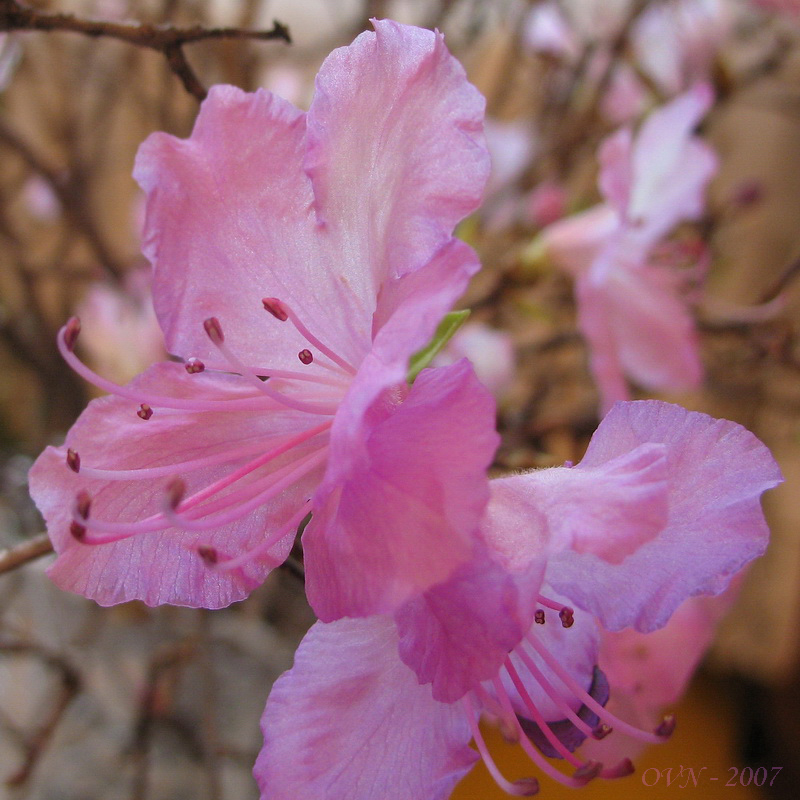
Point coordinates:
[(660, 157), (396, 151), (616, 169), (229, 222), (458, 633), (718, 471), (411, 482), (350, 720), (574, 242), (609, 510), (164, 567)]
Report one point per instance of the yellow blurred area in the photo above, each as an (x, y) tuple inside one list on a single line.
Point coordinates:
[(705, 737)]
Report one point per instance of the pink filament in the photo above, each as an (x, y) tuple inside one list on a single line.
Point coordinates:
[(311, 339)]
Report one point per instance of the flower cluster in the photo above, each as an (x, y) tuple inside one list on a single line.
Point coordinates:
[(300, 260)]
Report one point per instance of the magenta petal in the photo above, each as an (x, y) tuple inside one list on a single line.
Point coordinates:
[(229, 222), (350, 721), (458, 634), (164, 566), (717, 472), (609, 510), (396, 513), (396, 149), (616, 169)]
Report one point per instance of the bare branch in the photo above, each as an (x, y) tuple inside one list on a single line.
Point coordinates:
[(20, 554), (165, 39)]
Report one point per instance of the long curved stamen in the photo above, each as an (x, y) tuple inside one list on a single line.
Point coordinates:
[(282, 312), (237, 507), (66, 340), (264, 547), (590, 769), (657, 737), (527, 787), (214, 331), (553, 694), (179, 467)]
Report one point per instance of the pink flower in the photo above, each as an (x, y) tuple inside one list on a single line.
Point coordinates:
[(664, 506), (629, 307), (314, 249)]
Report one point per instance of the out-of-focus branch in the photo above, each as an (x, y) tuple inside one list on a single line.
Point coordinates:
[(20, 554), (165, 39)]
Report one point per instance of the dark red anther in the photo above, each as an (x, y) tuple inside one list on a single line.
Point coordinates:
[(526, 787), (566, 617), (621, 770), (214, 330), (77, 530), (144, 412), (71, 331), (275, 307), (83, 504), (194, 365), (306, 356), (538, 617), (601, 731), (588, 771), (73, 460), (666, 726), (208, 554), (176, 489)]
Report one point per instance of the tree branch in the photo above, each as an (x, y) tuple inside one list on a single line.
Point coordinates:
[(165, 39), (19, 554)]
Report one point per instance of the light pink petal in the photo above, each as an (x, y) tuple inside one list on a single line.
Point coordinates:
[(164, 567), (229, 222), (397, 515), (660, 155), (638, 313), (718, 471), (350, 721), (458, 634), (609, 510), (574, 242), (616, 169), (396, 151), (596, 323)]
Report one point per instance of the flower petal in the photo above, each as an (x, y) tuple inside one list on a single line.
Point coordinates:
[(718, 471), (609, 510), (410, 482), (164, 566), (229, 222), (350, 721), (396, 150)]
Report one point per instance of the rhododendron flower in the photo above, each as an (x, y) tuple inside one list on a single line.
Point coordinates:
[(629, 307), (664, 506), (314, 250)]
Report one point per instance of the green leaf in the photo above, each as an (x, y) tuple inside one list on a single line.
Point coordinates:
[(444, 333)]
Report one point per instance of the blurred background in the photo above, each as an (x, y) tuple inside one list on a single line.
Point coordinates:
[(141, 704)]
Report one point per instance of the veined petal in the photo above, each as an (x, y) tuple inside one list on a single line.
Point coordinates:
[(717, 472), (229, 222), (458, 633), (411, 483), (351, 722), (396, 150), (609, 510), (163, 566)]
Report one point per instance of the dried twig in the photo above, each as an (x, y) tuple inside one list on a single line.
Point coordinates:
[(20, 554), (165, 39)]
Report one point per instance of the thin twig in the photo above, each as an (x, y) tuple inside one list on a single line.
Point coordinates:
[(16, 556), (165, 39)]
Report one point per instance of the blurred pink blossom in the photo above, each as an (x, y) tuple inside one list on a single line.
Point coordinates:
[(629, 305)]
